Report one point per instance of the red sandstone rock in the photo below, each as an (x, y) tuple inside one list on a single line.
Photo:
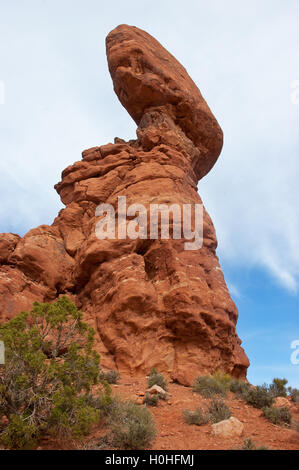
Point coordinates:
[(281, 402), (8, 242), (152, 303), (147, 77), (228, 428)]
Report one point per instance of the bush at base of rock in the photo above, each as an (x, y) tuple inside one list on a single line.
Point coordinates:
[(263, 395), (294, 395), (132, 426), (249, 444), (258, 397), (45, 384), (278, 415), (111, 376), (218, 411), (222, 378), (209, 386), (239, 387), (151, 400), (157, 379), (197, 417), (163, 396)]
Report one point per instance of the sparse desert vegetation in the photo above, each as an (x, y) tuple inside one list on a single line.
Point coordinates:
[(151, 400), (132, 426), (280, 415), (45, 385), (110, 376), (249, 444), (197, 417), (294, 395), (155, 378), (209, 386), (54, 386), (218, 411), (51, 383)]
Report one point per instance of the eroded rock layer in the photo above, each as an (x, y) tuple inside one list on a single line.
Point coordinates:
[(152, 303)]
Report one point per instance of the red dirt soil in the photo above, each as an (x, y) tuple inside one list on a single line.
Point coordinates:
[(174, 434)]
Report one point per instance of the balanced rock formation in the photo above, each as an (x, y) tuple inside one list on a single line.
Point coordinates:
[(152, 302)]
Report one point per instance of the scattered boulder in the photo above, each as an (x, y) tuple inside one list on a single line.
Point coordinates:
[(281, 402), (8, 242), (157, 389), (228, 428)]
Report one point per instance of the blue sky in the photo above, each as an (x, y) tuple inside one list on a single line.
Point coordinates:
[(244, 58)]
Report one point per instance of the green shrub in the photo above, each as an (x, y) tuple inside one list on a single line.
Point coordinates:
[(294, 394), (222, 378), (197, 417), (163, 396), (157, 379), (71, 414), (259, 396), (239, 388), (278, 415), (151, 399), (132, 426), (218, 411), (19, 433), (209, 386), (249, 444), (111, 376), (278, 388), (45, 384), (103, 401)]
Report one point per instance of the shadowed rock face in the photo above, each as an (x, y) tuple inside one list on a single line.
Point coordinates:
[(152, 303)]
